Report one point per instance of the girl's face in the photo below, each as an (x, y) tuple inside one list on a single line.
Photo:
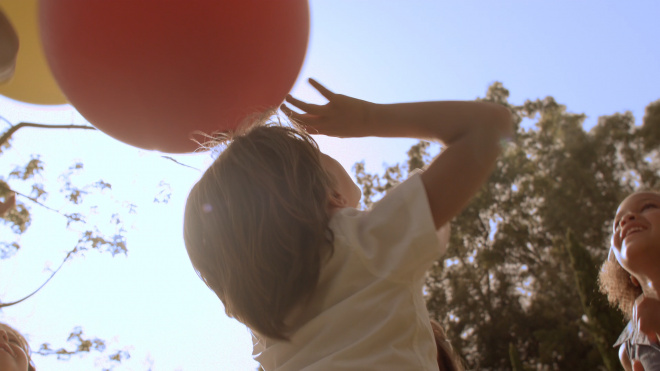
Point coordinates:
[(636, 237), (12, 354), (345, 187)]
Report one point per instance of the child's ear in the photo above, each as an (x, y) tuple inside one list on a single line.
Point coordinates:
[(634, 280), (336, 200)]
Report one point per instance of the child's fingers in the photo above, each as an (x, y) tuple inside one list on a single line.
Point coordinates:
[(304, 119), (291, 113), (307, 107), (287, 111), (310, 123), (322, 89)]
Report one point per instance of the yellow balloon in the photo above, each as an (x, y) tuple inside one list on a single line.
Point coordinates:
[(32, 81)]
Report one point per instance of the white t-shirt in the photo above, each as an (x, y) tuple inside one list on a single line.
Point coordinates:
[(368, 312)]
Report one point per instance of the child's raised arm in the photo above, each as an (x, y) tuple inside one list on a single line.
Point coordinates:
[(472, 131)]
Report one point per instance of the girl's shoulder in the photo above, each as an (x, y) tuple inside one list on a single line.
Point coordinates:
[(630, 334), (627, 334)]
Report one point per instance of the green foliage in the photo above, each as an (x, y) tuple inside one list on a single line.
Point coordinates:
[(513, 280), (75, 208), (80, 345), (516, 363), (164, 193), (374, 185), (34, 167), (594, 303), (651, 129), (91, 236), (418, 156), (77, 204), (8, 249), (94, 240)]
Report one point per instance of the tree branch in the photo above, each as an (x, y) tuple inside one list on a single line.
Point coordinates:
[(5, 137), (177, 162), (68, 255), (33, 200)]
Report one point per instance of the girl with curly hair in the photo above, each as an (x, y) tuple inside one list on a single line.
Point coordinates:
[(630, 277)]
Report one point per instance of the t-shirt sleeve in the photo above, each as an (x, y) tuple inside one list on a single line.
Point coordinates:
[(626, 334), (397, 238)]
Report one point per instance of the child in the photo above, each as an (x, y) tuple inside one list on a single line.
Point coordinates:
[(14, 351), (272, 229), (631, 278)]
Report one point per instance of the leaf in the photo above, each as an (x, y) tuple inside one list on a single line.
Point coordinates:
[(164, 193), (8, 249)]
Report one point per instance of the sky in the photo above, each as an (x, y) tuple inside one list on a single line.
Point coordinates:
[(596, 57)]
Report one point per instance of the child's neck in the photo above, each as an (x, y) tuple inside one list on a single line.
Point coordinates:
[(650, 285)]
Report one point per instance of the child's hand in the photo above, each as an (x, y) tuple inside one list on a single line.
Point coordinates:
[(637, 366), (342, 116), (646, 315), (472, 133)]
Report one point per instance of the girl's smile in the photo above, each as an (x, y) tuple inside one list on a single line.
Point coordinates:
[(639, 212), (631, 229)]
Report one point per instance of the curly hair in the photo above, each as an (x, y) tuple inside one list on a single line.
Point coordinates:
[(22, 343), (614, 281), (256, 225)]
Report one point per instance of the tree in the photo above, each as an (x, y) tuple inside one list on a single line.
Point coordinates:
[(19, 217), (98, 229), (599, 317), (518, 280)]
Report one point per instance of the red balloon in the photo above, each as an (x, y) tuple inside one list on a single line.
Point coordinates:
[(152, 72)]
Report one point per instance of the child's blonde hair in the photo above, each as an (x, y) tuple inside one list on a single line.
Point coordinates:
[(256, 225)]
